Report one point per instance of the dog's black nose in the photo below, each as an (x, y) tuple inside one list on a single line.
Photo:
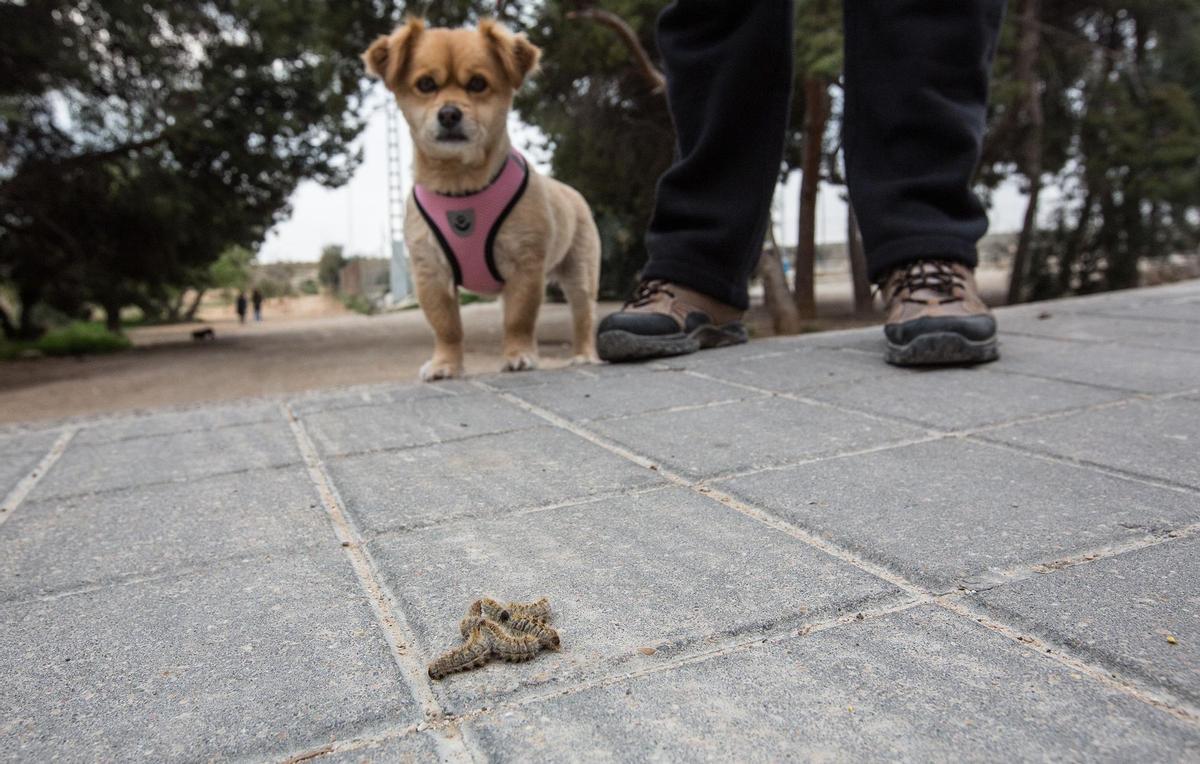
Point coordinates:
[(449, 116)]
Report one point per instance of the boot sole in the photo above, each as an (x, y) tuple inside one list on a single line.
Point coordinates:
[(616, 346), (942, 348)]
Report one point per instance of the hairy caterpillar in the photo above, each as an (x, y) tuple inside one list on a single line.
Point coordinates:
[(515, 633), (488, 608), (473, 653), (545, 635), (510, 647), (539, 611)]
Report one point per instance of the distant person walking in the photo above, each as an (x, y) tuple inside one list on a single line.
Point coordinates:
[(256, 297), (241, 307)]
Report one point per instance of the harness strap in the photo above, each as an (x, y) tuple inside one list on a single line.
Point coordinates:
[(466, 226)]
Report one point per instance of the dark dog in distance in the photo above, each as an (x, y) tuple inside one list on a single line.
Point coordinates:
[(206, 333)]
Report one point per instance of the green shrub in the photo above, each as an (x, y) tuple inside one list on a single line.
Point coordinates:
[(80, 338), (359, 304), (310, 287)]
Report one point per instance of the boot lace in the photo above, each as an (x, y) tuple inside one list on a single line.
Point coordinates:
[(647, 292), (937, 276)]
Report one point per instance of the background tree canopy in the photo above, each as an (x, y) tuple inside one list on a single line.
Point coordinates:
[(139, 143)]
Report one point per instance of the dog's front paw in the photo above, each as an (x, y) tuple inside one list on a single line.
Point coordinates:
[(432, 371), (520, 362), (584, 360)]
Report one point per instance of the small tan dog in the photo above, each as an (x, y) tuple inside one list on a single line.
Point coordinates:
[(480, 217)]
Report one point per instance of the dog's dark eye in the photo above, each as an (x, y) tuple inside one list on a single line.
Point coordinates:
[(476, 84), (426, 84)]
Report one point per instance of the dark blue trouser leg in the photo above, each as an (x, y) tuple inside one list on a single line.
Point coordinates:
[(916, 79), (916, 106), (729, 78)]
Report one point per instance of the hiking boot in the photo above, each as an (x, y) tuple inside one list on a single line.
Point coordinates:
[(664, 319), (935, 316)]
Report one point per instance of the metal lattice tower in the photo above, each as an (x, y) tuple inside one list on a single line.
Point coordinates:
[(400, 281)]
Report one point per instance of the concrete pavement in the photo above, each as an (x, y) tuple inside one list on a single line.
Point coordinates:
[(785, 550)]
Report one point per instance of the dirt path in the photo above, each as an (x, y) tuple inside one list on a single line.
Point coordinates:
[(279, 355), (304, 344)]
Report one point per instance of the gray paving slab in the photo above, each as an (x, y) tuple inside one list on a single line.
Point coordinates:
[(1120, 612), (741, 436), (914, 686), (408, 749), (171, 588), (1138, 369), (28, 443), (668, 570), (956, 399), (734, 354), (19, 454), (163, 423), (479, 477), (165, 458), (1159, 439), (514, 381), (603, 397), (800, 370), (367, 395), (415, 422), (62, 544), (1184, 308), (1086, 328), (250, 658), (952, 512)]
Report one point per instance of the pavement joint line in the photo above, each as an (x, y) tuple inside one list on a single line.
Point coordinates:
[(813, 402), (1113, 472), (87, 421), (669, 410), (390, 618), (1049, 415), (172, 433), (1127, 343), (90, 421), (1026, 571), (179, 572), (169, 481), (17, 495), (1153, 697), (727, 500), (732, 645), (888, 446), (1132, 396), (1134, 317), (350, 745), (919, 593), (1048, 378), (427, 444), (450, 521)]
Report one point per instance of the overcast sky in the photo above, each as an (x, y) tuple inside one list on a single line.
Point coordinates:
[(355, 215)]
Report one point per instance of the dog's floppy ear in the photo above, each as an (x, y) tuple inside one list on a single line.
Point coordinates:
[(517, 55), (388, 56)]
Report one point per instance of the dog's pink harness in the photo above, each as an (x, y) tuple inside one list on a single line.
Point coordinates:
[(466, 225)]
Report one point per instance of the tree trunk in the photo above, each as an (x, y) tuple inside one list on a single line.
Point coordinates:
[(1025, 72), (112, 317), (175, 308), (190, 315), (816, 115), (27, 328), (864, 304), (6, 324), (778, 298)]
